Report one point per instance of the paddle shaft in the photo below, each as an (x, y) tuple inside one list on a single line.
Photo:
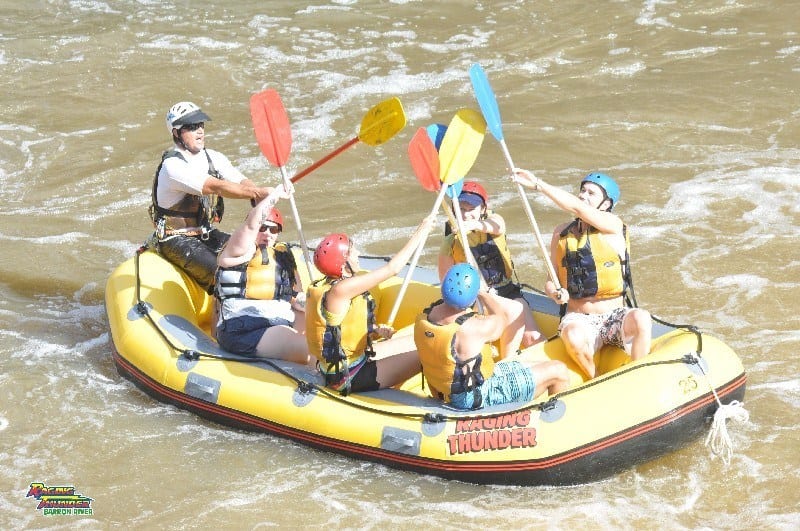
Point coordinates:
[(303, 243), (324, 159), (550, 271), (491, 112), (467, 250), (449, 212), (464, 241), (414, 259)]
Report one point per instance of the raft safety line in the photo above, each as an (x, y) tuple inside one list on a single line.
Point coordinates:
[(718, 439), (305, 387), (691, 328)]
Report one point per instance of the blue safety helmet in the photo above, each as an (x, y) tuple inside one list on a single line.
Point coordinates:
[(460, 286), (605, 182)]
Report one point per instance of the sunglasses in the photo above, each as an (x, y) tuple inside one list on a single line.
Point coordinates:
[(193, 127), (271, 229)]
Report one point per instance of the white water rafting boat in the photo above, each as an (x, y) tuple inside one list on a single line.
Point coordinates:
[(631, 413)]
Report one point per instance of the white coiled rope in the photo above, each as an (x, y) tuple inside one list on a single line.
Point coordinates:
[(718, 439)]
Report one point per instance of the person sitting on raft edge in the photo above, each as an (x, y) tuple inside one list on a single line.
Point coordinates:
[(340, 318), (454, 346), (188, 188), (591, 255), (258, 290)]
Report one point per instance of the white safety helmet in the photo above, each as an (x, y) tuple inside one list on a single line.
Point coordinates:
[(184, 113)]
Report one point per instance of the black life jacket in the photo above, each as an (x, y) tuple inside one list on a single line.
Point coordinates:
[(192, 210)]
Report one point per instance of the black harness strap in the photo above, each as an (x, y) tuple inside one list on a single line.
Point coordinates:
[(157, 212)]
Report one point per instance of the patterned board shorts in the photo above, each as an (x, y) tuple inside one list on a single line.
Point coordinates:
[(512, 381), (603, 328)]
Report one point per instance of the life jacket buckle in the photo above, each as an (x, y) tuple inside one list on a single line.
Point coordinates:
[(161, 228)]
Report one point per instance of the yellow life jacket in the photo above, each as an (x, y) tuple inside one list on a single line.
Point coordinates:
[(269, 275), (345, 337), (491, 253), (192, 211), (589, 266), (444, 373)]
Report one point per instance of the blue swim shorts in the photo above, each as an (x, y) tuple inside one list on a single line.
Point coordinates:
[(512, 381), (241, 335)]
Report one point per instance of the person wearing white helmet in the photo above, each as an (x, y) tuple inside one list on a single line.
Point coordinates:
[(188, 188), (591, 255)]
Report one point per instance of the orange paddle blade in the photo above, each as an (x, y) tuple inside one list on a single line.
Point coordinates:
[(271, 125), (424, 160)]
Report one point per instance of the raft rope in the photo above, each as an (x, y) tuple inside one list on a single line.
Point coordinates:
[(720, 444), (718, 439), (142, 308)]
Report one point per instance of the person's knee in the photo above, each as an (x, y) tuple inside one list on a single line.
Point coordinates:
[(552, 376), (575, 337), (531, 337), (556, 371), (641, 322)]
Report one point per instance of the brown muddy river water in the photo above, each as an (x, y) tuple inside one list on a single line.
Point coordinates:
[(691, 106)]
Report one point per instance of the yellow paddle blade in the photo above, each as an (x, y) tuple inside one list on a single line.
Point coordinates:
[(382, 122), (460, 145)]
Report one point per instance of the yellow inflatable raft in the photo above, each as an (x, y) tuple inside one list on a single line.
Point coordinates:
[(631, 413)]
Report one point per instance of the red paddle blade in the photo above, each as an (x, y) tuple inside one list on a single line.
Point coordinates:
[(425, 160), (271, 125)]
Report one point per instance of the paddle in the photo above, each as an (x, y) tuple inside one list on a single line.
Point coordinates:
[(457, 154), (462, 233), (425, 161), (274, 137), (380, 124), (491, 112)]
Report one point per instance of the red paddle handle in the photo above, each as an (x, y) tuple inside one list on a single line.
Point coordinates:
[(324, 159)]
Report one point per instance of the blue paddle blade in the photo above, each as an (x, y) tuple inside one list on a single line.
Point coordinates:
[(486, 101), (436, 134), (454, 190)]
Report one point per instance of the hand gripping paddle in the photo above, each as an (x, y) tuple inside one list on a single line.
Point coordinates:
[(491, 112), (457, 154)]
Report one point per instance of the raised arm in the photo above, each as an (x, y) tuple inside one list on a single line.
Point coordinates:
[(343, 291), (470, 339), (240, 246), (601, 220), (494, 224)]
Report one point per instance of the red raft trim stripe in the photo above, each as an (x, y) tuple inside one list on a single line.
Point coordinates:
[(425, 462)]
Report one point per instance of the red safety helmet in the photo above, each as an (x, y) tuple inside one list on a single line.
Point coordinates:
[(275, 217), (472, 187), (331, 254)]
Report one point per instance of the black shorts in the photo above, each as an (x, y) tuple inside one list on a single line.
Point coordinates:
[(365, 379), (510, 291), (241, 335)]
